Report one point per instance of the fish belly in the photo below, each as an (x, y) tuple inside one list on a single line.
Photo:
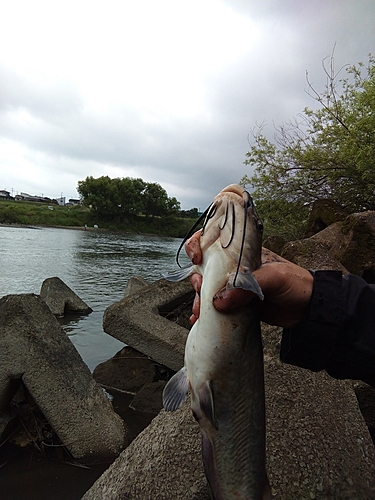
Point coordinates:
[(229, 372)]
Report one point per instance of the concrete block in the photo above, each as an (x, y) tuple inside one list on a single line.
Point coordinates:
[(35, 350), (138, 321)]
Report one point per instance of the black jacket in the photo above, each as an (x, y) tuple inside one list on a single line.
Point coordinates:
[(339, 333)]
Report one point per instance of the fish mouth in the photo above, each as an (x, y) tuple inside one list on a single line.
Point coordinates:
[(235, 189)]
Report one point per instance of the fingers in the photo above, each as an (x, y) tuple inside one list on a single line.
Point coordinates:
[(193, 249), (230, 300), (196, 282), (195, 309)]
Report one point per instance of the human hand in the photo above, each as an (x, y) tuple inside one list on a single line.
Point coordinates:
[(287, 289)]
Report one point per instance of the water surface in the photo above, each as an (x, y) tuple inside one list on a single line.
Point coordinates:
[(95, 265)]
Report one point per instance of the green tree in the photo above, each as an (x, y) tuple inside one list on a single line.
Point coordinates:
[(130, 193), (99, 194), (325, 153), (126, 197), (155, 200)]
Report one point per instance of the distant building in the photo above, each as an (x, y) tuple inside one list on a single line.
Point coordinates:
[(5, 195), (29, 197), (73, 201), (61, 201)]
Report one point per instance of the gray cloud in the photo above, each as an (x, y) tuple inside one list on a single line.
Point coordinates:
[(193, 156)]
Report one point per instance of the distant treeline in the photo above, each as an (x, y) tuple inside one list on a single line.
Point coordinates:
[(125, 197)]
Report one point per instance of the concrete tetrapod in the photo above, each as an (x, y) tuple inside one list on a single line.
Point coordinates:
[(35, 351)]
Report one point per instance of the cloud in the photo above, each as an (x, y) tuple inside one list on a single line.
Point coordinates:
[(166, 91)]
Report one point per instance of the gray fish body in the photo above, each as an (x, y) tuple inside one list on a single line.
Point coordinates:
[(224, 361)]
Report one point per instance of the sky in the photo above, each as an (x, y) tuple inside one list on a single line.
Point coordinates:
[(167, 91)]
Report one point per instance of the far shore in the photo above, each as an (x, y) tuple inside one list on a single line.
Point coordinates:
[(77, 228)]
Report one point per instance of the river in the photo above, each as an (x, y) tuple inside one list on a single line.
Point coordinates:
[(96, 265)]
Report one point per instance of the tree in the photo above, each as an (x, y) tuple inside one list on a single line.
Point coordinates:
[(123, 197), (326, 153), (155, 200), (99, 194), (130, 192)]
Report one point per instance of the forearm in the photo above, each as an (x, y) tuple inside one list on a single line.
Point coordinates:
[(338, 334)]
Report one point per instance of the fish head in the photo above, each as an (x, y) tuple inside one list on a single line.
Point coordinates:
[(233, 221)]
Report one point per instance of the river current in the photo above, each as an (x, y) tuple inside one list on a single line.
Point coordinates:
[(95, 265)]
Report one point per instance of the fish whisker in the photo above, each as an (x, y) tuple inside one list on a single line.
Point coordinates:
[(191, 232), (233, 227)]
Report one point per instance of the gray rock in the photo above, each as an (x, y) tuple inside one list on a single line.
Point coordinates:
[(163, 462), (318, 445), (324, 212), (128, 370), (149, 398), (275, 243), (35, 351), (329, 235), (135, 284), (61, 299), (311, 254), (138, 321), (355, 249)]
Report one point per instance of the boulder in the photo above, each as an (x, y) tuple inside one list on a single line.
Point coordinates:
[(311, 254), (138, 321), (128, 371), (149, 398), (61, 299), (329, 235), (275, 243), (324, 212), (318, 445), (135, 284), (355, 249), (163, 462), (36, 352)]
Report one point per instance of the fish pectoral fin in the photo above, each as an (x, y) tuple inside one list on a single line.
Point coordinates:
[(206, 402), (176, 390), (179, 274), (246, 280)]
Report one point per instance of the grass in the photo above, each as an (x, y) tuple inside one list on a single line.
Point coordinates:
[(38, 214)]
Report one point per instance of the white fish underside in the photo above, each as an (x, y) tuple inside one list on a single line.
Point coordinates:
[(224, 372)]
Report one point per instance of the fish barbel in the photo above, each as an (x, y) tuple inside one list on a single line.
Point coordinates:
[(224, 354)]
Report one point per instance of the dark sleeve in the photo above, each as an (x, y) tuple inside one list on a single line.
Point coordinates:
[(339, 333)]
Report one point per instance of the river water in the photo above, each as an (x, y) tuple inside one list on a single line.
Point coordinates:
[(95, 265)]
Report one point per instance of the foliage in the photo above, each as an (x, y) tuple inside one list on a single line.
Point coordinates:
[(283, 218), (38, 214), (34, 213), (326, 153), (125, 197), (192, 213)]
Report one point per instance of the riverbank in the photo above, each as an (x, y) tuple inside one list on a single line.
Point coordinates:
[(28, 214)]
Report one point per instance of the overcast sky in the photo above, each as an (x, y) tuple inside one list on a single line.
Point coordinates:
[(164, 90)]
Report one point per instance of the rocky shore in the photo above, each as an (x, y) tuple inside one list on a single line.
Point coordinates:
[(319, 443)]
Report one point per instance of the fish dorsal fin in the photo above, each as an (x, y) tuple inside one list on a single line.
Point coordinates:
[(206, 402), (245, 279), (179, 274), (176, 390)]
